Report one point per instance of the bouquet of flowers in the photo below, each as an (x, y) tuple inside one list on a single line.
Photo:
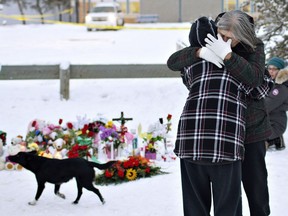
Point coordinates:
[(83, 140), (79, 151), (135, 167), (109, 134), (156, 132)]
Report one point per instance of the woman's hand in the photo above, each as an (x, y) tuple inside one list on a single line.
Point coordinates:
[(210, 56), (220, 47)]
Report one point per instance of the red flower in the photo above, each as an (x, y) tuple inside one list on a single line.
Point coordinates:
[(34, 123), (121, 173), (126, 164), (84, 129), (73, 154), (147, 170), (60, 121), (108, 174), (90, 134), (134, 162), (69, 125), (169, 117)]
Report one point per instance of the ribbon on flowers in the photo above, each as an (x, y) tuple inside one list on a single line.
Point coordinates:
[(84, 141)]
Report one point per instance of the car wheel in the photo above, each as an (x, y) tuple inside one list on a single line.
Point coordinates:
[(89, 29)]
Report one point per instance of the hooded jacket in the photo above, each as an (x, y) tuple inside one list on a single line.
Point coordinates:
[(277, 104), (249, 68)]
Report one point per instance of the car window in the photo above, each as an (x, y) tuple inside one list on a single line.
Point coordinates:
[(103, 9)]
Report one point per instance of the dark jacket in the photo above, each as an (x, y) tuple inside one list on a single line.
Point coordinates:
[(247, 67), (277, 104)]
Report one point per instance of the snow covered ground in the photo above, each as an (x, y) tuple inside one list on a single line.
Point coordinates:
[(145, 100)]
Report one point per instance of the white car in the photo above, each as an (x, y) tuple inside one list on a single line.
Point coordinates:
[(105, 15)]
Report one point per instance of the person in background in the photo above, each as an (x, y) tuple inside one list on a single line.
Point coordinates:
[(277, 102), (246, 62)]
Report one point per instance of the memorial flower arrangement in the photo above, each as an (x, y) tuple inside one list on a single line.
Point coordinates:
[(135, 167), (84, 139), (109, 134), (157, 132), (90, 139)]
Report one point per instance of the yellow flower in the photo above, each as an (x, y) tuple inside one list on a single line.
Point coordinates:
[(33, 146), (149, 136), (131, 174), (78, 133), (109, 124), (142, 135), (47, 155)]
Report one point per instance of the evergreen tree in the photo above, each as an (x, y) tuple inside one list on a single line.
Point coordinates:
[(272, 25)]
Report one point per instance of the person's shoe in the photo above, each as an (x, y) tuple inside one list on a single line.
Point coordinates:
[(279, 143)]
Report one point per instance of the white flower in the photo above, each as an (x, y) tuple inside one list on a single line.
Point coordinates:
[(81, 121)]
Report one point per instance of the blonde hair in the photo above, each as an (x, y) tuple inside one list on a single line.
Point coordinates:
[(241, 25)]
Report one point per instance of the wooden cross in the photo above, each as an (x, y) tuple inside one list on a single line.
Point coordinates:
[(122, 119), (123, 129)]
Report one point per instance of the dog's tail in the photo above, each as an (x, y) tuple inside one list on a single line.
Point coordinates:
[(102, 166)]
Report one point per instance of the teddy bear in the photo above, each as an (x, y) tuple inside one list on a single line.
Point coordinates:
[(11, 150), (57, 149), (14, 147), (19, 141), (17, 144)]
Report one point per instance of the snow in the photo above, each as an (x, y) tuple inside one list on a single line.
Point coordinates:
[(145, 100), (51, 44)]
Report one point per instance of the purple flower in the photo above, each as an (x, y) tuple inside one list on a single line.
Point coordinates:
[(108, 132)]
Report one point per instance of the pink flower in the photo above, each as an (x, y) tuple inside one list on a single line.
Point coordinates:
[(46, 131)]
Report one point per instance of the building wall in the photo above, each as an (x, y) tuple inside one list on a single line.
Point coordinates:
[(168, 10)]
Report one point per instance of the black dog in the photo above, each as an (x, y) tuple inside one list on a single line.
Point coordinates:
[(59, 171)]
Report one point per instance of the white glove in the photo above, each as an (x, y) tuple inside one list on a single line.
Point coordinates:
[(210, 56), (218, 46)]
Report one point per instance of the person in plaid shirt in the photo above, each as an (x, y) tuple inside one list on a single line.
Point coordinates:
[(244, 58), (211, 130)]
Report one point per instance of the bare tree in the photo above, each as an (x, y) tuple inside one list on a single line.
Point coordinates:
[(60, 5), (22, 5), (38, 6)]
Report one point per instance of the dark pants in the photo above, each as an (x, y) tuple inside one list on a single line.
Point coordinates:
[(225, 181), (254, 178)]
